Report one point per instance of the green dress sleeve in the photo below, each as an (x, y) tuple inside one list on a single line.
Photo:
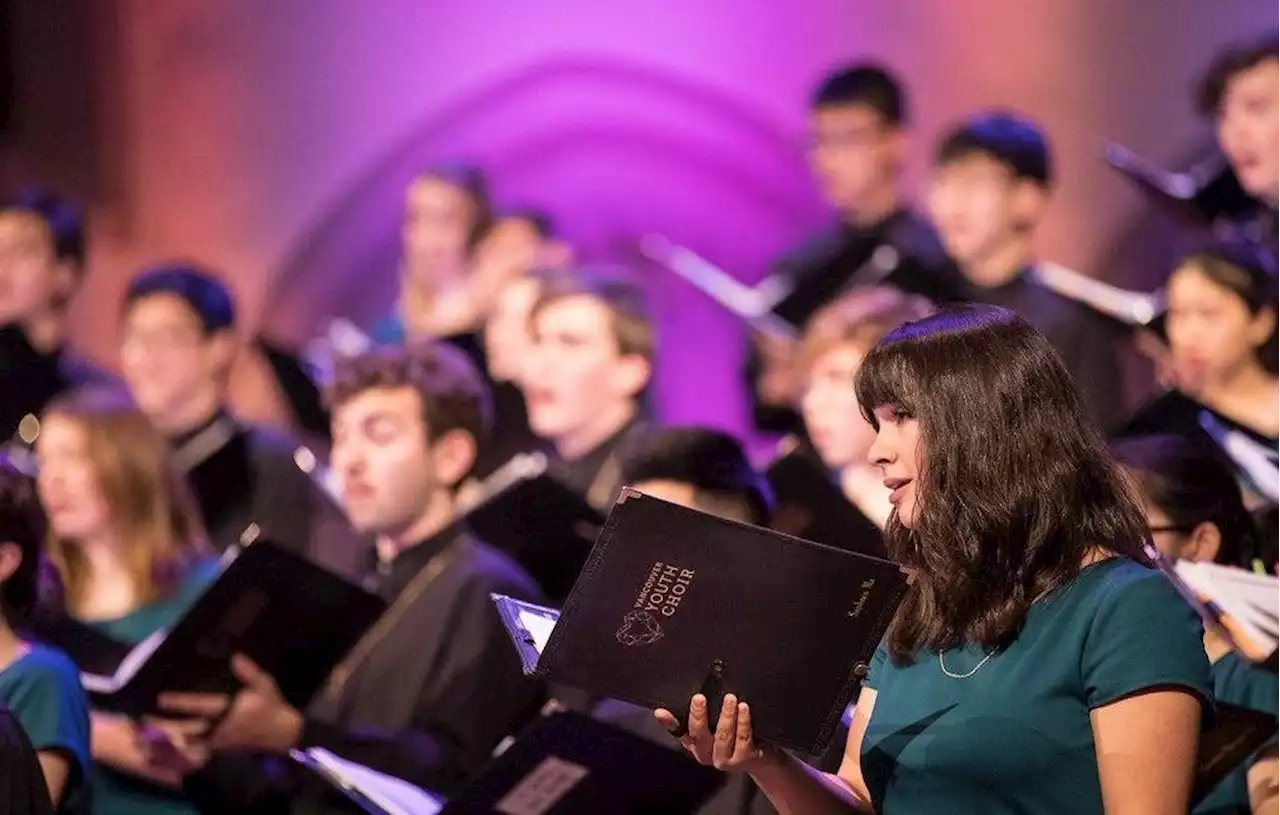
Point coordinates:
[(43, 690), (1143, 636)]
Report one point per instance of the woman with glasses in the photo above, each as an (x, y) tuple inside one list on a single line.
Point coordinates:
[(1195, 512)]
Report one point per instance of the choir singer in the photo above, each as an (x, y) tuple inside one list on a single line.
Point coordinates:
[(1037, 663)]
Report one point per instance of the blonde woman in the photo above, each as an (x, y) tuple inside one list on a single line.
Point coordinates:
[(127, 543)]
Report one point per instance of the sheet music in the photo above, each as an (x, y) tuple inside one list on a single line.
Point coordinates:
[(393, 795), (750, 304), (1131, 307), (1251, 601), (539, 627)]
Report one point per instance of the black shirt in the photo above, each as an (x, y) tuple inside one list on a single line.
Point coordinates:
[(29, 379), (597, 475), (242, 475), (1087, 341), (439, 685), (1172, 412)]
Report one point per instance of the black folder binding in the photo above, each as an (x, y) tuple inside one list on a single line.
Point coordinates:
[(545, 526), (1236, 735), (92, 651), (675, 602), (293, 618), (811, 506), (561, 764)]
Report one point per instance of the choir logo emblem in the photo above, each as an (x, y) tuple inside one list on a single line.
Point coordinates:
[(660, 597)]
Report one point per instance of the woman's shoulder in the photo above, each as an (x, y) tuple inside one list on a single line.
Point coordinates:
[(1116, 577), (1121, 592), (43, 664)]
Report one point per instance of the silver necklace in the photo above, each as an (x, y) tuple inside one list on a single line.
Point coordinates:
[(943, 666)]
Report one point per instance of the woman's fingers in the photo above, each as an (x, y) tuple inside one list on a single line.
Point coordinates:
[(744, 744), (667, 719), (726, 732), (673, 726), (732, 744), (699, 739)]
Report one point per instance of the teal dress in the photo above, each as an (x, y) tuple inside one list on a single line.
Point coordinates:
[(1238, 682), (1015, 736), (42, 689), (116, 793)]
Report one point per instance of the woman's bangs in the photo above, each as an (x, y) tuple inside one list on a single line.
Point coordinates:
[(885, 378)]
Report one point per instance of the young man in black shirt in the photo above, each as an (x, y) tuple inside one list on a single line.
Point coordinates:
[(42, 254), (858, 139), (177, 345), (588, 369), (990, 188), (435, 684)]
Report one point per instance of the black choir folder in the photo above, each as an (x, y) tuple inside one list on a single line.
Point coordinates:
[(525, 511), (811, 506), (674, 602), (564, 763), (293, 618)]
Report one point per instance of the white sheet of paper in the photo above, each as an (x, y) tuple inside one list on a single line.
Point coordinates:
[(539, 627), (392, 794)]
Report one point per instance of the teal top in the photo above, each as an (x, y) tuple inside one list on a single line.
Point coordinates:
[(1238, 682), (115, 793), (1015, 736), (42, 689)]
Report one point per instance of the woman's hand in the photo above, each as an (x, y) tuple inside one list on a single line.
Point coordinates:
[(732, 747), (122, 744)]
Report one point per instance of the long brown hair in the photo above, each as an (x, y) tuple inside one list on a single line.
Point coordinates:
[(153, 511), (1018, 488)]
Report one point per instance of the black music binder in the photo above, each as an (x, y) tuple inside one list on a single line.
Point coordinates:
[(675, 602), (546, 527), (294, 619), (811, 506)]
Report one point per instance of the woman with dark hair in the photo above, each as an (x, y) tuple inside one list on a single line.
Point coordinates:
[(1193, 504), (1037, 663), (40, 685), (1221, 326), (1195, 512)]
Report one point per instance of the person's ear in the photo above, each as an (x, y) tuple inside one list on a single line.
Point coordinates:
[(896, 141), (66, 279), (1028, 203), (1261, 326), (1203, 543), (452, 456), (632, 374), (222, 347), (10, 560)]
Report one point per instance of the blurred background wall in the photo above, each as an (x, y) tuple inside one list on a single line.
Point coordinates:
[(271, 139)]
